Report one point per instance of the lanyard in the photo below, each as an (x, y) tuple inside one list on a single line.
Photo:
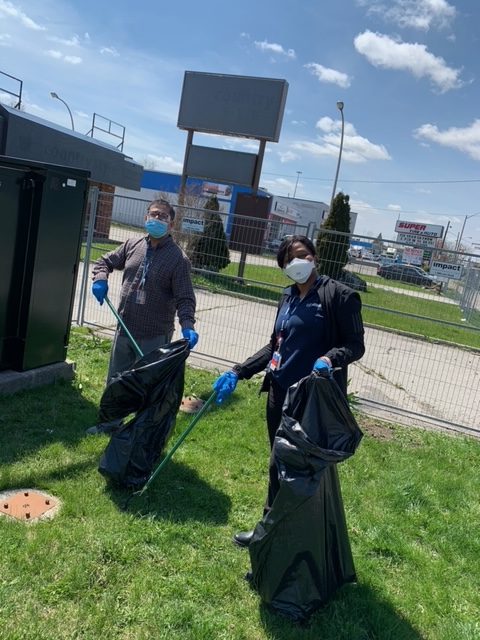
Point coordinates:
[(146, 266), (292, 305)]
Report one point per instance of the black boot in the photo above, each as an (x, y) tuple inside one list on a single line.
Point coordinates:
[(243, 538)]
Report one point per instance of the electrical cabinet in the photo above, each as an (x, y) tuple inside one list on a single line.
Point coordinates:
[(42, 211)]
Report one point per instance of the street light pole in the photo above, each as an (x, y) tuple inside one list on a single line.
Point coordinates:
[(340, 108), (57, 97), (299, 173), (460, 235)]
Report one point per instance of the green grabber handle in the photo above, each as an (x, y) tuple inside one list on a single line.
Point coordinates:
[(177, 444), (121, 322)]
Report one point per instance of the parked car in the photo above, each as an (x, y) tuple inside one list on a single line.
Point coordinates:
[(407, 273), (273, 245)]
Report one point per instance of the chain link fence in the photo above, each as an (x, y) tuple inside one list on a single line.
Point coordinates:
[(422, 360)]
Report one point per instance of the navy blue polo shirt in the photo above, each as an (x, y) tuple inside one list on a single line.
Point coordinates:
[(301, 326)]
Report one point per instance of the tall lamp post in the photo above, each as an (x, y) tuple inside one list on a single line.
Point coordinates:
[(299, 173), (57, 97), (460, 235), (340, 108)]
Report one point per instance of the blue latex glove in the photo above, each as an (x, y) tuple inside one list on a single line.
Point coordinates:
[(224, 385), (191, 336), (100, 290), (322, 367)]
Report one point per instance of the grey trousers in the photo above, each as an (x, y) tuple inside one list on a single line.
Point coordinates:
[(124, 355)]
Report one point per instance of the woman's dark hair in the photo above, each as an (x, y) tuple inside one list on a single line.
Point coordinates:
[(285, 249)]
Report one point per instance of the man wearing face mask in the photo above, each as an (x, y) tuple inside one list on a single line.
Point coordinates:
[(156, 283), (318, 326)]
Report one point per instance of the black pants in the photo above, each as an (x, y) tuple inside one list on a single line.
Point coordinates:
[(276, 397)]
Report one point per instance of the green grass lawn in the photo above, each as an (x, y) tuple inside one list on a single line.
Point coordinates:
[(166, 567)]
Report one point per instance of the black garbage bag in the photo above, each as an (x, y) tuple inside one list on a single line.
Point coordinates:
[(300, 551), (153, 390)]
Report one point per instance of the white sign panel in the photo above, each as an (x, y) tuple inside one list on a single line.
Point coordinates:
[(446, 270), (421, 241), (412, 255), (192, 224), (419, 228), (223, 191)]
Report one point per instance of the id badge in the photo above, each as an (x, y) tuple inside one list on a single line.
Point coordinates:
[(140, 296), (275, 361)]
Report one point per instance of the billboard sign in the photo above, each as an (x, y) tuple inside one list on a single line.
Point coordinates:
[(420, 241), (222, 191), (231, 105), (221, 165), (419, 229), (446, 270), (412, 255)]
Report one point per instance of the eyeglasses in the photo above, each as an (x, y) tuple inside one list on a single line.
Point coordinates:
[(158, 215)]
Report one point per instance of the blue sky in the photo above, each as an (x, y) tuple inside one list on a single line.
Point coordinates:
[(408, 72)]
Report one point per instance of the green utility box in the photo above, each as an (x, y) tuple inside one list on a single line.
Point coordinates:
[(42, 210)]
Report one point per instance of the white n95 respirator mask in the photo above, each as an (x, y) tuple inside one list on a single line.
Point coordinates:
[(299, 269)]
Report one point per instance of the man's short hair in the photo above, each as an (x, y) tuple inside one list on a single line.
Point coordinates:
[(161, 202)]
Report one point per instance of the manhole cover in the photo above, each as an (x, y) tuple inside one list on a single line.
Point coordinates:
[(28, 505), (191, 404)]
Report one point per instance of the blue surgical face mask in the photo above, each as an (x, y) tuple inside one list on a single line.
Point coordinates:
[(156, 228)]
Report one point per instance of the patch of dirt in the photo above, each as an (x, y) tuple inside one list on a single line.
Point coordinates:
[(376, 428)]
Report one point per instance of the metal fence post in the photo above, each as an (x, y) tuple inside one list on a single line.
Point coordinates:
[(92, 207)]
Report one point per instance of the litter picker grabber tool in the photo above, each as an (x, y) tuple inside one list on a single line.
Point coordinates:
[(169, 455), (121, 398), (124, 327)]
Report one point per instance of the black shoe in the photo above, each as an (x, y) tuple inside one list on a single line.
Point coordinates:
[(243, 538)]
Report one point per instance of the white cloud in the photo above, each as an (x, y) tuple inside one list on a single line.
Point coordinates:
[(73, 59), (280, 186), (417, 14), (332, 76), (74, 41), (384, 52), (163, 163), (8, 9), (299, 122), (466, 139), (81, 114), (355, 148), (287, 156), (54, 54), (272, 47), (58, 55), (109, 51), (394, 207)]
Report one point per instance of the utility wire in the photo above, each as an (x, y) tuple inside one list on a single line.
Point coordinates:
[(284, 175)]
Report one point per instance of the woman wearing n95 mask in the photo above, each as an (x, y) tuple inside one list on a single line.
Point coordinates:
[(318, 326)]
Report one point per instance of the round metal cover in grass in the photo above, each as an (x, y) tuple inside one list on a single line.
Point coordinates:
[(28, 505), (191, 404)]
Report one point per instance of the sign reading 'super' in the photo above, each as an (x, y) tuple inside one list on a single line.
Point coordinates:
[(419, 229)]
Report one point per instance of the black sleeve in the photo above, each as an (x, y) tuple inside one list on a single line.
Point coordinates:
[(349, 342), (256, 363)]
